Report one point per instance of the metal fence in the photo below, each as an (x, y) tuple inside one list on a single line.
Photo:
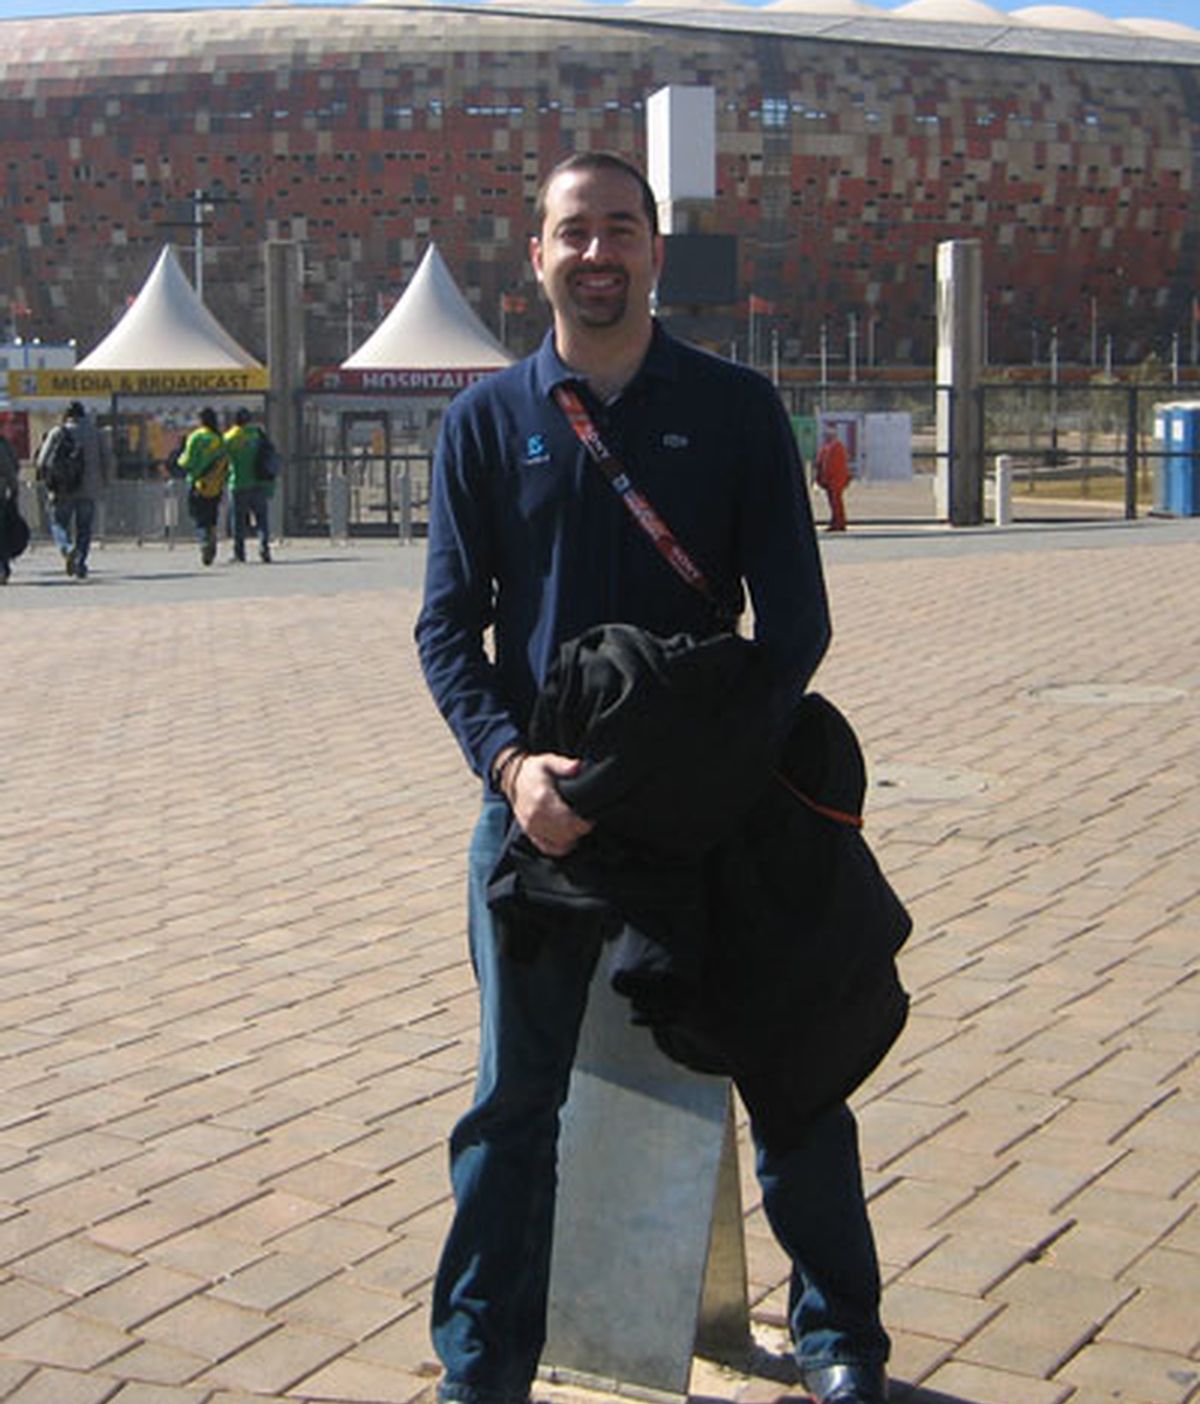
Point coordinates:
[(1090, 442), (1086, 439), (364, 494)]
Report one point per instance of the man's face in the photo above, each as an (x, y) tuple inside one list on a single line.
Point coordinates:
[(596, 257)]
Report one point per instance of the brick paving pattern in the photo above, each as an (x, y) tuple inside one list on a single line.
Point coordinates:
[(237, 1020)]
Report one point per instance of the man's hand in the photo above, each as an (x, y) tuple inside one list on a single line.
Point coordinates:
[(551, 824)]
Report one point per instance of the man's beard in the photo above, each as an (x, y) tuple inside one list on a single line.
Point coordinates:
[(603, 311)]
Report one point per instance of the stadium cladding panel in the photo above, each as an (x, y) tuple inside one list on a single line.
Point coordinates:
[(849, 144)]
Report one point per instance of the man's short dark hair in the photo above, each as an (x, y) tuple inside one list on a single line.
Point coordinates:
[(75, 410), (597, 161), (208, 417), (243, 416)]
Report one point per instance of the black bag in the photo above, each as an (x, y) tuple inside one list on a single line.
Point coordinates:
[(60, 462), (14, 530), (267, 462)]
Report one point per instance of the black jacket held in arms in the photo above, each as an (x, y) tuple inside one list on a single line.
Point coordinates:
[(752, 930)]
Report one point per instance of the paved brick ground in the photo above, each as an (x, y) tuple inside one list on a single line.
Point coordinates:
[(236, 1020)]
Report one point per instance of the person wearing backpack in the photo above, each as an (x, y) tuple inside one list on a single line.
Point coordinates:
[(14, 530), (73, 464), (250, 485), (205, 463)]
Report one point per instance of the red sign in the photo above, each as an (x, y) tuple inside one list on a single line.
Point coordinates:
[(364, 381)]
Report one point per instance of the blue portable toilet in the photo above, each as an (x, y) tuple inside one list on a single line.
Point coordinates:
[(1177, 469)]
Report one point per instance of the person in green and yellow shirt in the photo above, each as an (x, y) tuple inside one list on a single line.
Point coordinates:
[(206, 464), (251, 492)]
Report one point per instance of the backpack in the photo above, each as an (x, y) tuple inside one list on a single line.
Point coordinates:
[(60, 461), (267, 461)]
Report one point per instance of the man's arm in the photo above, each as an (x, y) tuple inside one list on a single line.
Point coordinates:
[(455, 615), (778, 547), (457, 607)]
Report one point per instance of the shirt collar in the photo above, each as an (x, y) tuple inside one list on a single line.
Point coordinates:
[(550, 370)]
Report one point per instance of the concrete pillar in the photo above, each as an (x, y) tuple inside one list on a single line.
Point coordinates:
[(286, 365), (681, 141), (959, 487)]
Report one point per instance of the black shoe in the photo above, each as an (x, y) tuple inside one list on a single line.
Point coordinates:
[(846, 1384), (69, 559), (264, 555)]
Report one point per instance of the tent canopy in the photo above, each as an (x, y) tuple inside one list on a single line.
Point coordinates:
[(167, 327), (431, 327)]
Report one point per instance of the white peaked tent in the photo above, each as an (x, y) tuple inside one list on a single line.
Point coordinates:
[(167, 327), (431, 327)]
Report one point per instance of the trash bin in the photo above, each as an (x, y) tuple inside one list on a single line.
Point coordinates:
[(1177, 467)]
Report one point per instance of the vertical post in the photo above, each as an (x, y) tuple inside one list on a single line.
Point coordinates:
[(1054, 396), (1003, 503), (824, 361), (959, 366), (285, 361), (198, 241), (1131, 454)]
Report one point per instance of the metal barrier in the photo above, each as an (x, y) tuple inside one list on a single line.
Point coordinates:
[(1092, 435), (359, 495), (145, 511)]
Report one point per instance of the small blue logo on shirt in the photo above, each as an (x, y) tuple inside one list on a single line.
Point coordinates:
[(535, 450), (675, 441)]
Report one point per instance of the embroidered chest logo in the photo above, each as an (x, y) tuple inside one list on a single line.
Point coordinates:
[(536, 451), (675, 441)]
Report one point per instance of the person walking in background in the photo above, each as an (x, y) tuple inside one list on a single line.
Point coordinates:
[(250, 488), (205, 463), (528, 539), (14, 530), (74, 464), (833, 474)]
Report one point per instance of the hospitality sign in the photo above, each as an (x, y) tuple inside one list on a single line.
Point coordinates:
[(395, 382)]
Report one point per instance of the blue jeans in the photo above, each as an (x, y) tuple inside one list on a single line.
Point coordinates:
[(247, 502), (80, 512), (489, 1300)]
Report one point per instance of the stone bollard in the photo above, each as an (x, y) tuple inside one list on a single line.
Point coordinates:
[(339, 507), (1003, 503)]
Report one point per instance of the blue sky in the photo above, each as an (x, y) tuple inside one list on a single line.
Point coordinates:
[(1185, 11)]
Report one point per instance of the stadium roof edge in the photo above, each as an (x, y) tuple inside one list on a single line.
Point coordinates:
[(1018, 38), (1021, 39)]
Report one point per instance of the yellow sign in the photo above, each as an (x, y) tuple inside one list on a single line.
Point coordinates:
[(62, 384)]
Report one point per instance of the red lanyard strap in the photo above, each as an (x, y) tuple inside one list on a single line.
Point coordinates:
[(639, 507), (642, 511)]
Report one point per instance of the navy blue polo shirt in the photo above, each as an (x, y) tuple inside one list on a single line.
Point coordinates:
[(528, 538)]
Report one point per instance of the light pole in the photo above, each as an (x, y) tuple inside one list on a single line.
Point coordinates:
[(203, 202)]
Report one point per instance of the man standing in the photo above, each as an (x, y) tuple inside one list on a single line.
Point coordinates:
[(73, 462), (833, 474), (528, 538), (248, 491)]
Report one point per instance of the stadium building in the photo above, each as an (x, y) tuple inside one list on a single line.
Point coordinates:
[(850, 141)]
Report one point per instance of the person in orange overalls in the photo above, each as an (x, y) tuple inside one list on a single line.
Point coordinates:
[(833, 474)]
